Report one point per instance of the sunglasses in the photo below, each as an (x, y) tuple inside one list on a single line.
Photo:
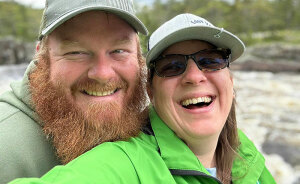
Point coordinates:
[(206, 60)]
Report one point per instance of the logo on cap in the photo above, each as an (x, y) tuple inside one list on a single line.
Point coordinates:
[(200, 22)]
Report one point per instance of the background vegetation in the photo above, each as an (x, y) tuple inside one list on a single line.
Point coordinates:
[(19, 22), (254, 21)]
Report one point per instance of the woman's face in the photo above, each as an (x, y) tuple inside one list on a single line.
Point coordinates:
[(173, 97)]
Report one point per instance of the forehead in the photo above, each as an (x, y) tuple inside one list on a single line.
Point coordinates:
[(187, 47), (94, 24)]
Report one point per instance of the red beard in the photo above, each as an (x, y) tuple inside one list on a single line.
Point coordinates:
[(74, 131)]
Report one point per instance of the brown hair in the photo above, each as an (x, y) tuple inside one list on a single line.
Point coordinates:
[(227, 146)]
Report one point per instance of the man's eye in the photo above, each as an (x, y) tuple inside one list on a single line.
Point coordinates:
[(75, 53), (119, 51)]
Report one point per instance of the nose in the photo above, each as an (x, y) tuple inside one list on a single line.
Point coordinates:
[(101, 69), (193, 75)]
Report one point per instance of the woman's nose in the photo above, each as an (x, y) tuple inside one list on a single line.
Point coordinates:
[(193, 75)]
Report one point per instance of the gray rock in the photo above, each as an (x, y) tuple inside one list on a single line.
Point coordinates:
[(289, 153), (272, 57), (15, 52)]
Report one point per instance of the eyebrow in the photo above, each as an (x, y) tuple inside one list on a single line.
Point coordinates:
[(69, 43), (122, 41)]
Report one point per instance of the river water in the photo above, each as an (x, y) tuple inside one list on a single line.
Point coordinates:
[(268, 111)]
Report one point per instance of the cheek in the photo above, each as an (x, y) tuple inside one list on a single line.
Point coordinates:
[(226, 88), (163, 91), (157, 92), (128, 71), (65, 74), (225, 83)]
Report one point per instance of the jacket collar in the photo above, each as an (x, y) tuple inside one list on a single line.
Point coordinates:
[(173, 150), (251, 163)]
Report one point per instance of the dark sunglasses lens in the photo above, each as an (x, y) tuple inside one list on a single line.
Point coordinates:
[(211, 60), (170, 66)]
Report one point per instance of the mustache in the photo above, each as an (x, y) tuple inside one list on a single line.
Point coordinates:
[(94, 85)]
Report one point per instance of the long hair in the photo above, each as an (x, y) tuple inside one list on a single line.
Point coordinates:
[(227, 146)]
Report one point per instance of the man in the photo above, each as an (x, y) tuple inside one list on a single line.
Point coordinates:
[(85, 87)]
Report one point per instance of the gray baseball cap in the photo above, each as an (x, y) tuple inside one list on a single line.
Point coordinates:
[(191, 27), (57, 12)]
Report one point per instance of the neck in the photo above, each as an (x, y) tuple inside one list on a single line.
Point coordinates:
[(204, 149)]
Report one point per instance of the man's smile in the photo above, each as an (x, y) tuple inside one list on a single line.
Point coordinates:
[(99, 93)]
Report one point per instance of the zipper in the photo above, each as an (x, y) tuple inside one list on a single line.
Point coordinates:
[(180, 172)]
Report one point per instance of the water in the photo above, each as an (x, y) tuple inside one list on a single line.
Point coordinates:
[(268, 111), (10, 73)]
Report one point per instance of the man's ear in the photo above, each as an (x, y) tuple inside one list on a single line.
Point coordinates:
[(37, 48)]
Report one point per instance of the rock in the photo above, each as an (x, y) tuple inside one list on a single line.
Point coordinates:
[(261, 65), (280, 170), (290, 154), (277, 51), (15, 52), (272, 57)]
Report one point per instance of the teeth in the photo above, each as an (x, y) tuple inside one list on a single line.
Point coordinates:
[(99, 93), (196, 100)]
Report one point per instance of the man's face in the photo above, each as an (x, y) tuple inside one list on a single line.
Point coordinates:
[(93, 57), (88, 85)]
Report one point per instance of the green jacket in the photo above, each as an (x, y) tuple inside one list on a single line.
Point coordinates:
[(24, 150), (156, 156)]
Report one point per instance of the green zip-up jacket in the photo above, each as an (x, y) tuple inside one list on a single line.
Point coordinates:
[(24, 150), (156, 156)]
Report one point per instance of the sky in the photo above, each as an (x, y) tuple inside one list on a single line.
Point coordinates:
[(41, 3)]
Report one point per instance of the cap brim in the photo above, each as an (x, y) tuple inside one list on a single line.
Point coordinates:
[(129, 18), (226, 40)]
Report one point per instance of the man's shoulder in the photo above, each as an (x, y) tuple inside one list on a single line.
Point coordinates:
[(6, 111), (24, 150), (13, 118)]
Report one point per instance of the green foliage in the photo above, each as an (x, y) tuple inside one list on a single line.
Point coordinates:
[(255, 21), (19, 21)]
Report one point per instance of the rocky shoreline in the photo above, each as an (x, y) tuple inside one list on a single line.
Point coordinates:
[(268, 111), (272, 58), (275, 57), (274, 67)]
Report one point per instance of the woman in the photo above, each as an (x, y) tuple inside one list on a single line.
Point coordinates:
[(191, 89), (192, 135)]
